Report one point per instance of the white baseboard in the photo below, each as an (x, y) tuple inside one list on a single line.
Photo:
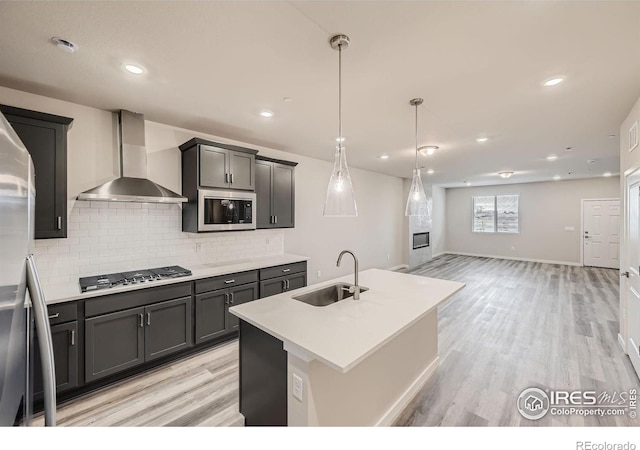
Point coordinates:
[(396, 409), (622, 344), (545, 261), (398, 267), (435, 255)]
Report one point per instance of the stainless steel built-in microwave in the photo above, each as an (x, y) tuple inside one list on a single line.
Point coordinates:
[(226, 210)]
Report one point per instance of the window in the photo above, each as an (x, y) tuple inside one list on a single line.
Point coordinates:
[(496, 213)]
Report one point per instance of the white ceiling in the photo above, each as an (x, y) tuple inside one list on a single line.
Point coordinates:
[(212, 66)]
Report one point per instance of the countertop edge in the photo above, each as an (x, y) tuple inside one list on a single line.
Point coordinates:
[(232, 267)]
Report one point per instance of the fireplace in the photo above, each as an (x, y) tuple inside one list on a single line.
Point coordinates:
[(420, 240)]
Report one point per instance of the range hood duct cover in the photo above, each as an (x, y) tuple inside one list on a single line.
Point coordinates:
[(133, 184)]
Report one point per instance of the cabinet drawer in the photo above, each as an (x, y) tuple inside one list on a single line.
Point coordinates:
[(140, 297), (62, 312), (226, 281), (279, 271)]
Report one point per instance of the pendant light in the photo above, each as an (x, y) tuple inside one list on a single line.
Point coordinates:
[(340, 200), (417, 204)]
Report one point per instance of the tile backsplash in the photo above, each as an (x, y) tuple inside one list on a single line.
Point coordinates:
[(107, 237)]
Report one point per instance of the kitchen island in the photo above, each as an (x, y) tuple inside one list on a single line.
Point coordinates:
[(351, 363)]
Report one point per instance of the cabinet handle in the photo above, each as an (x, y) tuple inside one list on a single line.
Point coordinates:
[(149, 318), (226, 299), (59, 222), (286, 270), (288, 286), (231, 300), (141, 320), (54, 316), (226, 177), (229, 281), (276, 219), (231, 178), (73, 337), (284, 285)]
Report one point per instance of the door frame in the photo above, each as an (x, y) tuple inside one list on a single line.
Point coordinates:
[(623, 335), (582, 222)]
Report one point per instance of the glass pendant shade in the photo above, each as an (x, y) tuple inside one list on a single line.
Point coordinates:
[(417, 204), (341, 200)]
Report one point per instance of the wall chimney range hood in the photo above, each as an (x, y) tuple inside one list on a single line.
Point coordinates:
[(132, 185)]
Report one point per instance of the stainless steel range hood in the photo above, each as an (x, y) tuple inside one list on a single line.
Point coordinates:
[(133, 184)]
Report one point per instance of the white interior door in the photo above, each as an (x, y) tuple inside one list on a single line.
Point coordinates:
[(633, 271), (601, 238)]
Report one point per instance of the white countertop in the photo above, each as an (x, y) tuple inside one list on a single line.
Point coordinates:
[(346, 332), (71, 291)]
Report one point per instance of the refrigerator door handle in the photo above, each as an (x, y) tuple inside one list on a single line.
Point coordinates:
[(46, 345)]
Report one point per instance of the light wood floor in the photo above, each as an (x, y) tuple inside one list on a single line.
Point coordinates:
[(518, 325), (515, 325)]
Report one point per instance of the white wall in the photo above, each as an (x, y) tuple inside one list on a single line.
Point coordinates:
[(629, 161), (438, 228), (545, 209), (375, 235)]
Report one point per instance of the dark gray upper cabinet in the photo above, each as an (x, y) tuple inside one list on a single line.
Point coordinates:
[(207, 164), (275, 193), (45, 136), (167, 328)]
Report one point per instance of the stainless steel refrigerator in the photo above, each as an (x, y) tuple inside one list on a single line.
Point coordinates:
[(21, 299)]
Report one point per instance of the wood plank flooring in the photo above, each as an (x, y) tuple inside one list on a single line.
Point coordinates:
[(517, 325), (201, 390)]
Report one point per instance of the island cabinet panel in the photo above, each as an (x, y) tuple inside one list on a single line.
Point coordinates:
[(263, 378), (65, 353), (211, 315), (45, 137), (237, 296), (167, 328), (113, 342)]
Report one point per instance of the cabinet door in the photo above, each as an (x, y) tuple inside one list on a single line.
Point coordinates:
[(273, 286), (264, 191), (242, 171), (296, 281), (237, 296), (47, 144), (167, 328), (283, 195), (113, 342), (211, 315), (65, 354), (214, 167)]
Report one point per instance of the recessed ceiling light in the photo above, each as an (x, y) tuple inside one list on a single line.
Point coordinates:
[(611, 136), (557, 177), (552, 157), (553, 81), (341, 139), (606, 174), (64, 45), (266, 113), (428, 150), (467, 183), (592, 161), (568, 149), (505, 174), (132, 68), (384, 156), (482, 139), (430, 171), (287, 99)]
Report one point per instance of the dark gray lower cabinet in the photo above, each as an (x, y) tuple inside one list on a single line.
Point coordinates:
[(125, 339), (65, 354), (237, 296), (167, 328), (113, 342), (211, 315), (279, 285)]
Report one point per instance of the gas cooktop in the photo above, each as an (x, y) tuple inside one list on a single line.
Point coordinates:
[(134, 277)]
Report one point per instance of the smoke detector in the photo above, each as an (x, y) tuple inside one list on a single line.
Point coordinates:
[(64, 45)]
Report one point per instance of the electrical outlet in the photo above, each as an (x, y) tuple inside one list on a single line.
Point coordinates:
[(268, 241), (513, 247), (298, 387), (388, 257), (569, 228), (318, 274), (198, 248)]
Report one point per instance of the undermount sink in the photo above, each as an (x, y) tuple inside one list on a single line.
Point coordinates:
[(328, 294)]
